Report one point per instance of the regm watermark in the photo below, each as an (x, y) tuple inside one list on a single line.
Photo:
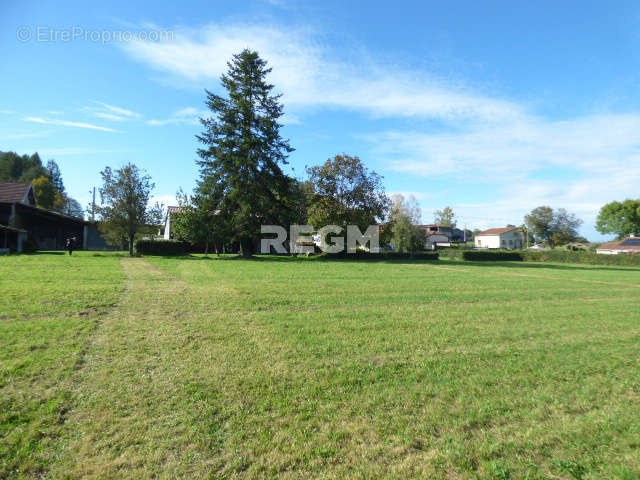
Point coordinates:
[(304, 239), (50, 34)]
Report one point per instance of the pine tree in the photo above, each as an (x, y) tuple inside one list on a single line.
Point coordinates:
[(240, 163), (53, 171)]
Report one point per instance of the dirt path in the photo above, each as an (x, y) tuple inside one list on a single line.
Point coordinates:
[(128, 386), (155, 393)]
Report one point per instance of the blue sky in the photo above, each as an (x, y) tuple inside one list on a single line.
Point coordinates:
[(493, 108)]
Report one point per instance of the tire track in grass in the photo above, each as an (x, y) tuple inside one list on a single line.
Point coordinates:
[(168, 386), (132, 416)]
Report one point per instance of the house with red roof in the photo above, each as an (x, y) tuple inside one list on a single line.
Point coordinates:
[(629, 245), (508, 238)]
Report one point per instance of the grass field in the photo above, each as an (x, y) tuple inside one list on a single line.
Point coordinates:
[(116, 367)]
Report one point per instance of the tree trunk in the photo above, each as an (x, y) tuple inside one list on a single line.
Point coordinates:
[(245, 247), (131, 237), (206, 247)]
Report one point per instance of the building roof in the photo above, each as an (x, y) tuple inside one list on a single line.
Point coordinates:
[(13, 192), (11, 229), (434, 225), (497, 231), (629, 243), (170, 211), (48, 213)]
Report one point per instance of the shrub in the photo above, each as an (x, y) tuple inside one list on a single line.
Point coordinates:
[(588, 258), (363, 255), (161, 247), (492, 255), (451, 252)]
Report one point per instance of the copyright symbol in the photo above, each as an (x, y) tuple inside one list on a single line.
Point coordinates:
[(23, 34)]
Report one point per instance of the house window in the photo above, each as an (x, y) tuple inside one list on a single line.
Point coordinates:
[(479, 242)]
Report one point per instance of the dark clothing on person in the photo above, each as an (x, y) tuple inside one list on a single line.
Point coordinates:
[(70, 242)]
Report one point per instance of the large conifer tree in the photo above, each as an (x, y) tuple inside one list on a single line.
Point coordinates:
[(243, 150)]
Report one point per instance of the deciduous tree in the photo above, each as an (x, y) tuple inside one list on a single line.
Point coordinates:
[(45, 191), (345, 193), (126, 212), (446, 217), (564, 227), (552, 227), (405, 215), (620, 218), (198, 222)]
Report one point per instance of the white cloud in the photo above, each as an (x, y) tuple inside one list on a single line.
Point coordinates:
[(480, 138), (509, 203), (110, 116), (110, 112), (309, 75), (166, 200), (192, 116), (65, 123), (503, 151), (184, 116), (19, 136), (578, 164), (75, 151), (123, 112)]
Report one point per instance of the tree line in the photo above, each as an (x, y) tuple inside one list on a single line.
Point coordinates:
[(47, 181), (242, 186)]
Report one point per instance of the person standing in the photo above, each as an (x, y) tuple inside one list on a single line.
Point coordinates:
[(70, 242)]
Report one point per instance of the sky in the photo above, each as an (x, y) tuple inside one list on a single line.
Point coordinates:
[(492, 108)]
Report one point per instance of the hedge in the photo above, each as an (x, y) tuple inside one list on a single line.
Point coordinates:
[(589, 258), (451, 252), (491, 255), (360, 255), (559, 256), (161, 247)]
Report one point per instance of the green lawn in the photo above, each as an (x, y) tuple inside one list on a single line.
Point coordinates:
[(112, 367)]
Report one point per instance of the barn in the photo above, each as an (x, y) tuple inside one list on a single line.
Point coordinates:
[(20, 217)]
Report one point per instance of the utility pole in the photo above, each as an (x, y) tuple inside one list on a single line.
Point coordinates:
[(93, 205)]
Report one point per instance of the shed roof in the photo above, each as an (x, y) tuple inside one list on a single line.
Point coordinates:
[(13, 192)]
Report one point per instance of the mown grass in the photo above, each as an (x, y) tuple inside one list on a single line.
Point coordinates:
[(289, 368), (49, 306)]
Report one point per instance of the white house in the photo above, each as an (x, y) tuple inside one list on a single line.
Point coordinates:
[(630, 245), (507, 238), (167, 222)]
